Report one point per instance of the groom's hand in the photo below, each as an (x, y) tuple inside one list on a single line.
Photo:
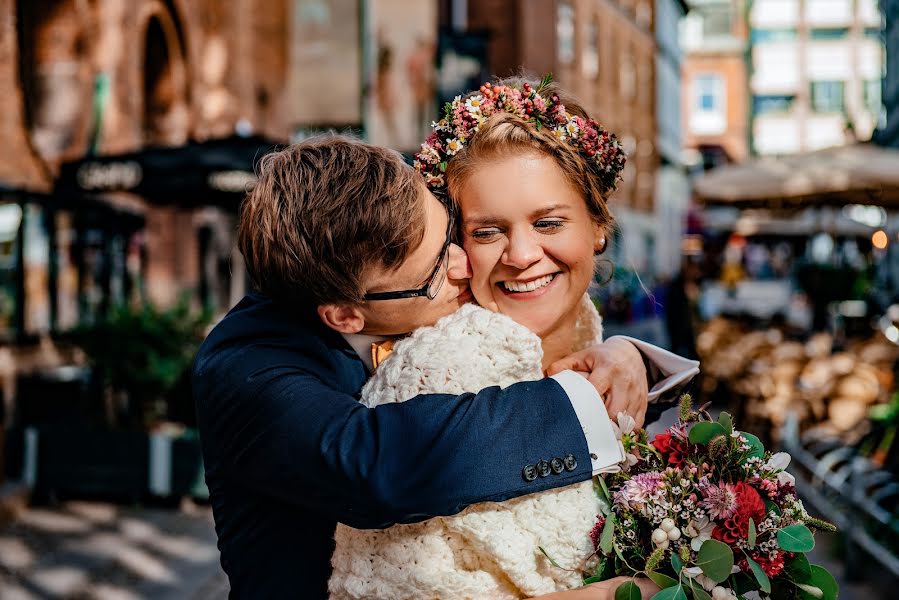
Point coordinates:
[(604, 590), (616, 370)]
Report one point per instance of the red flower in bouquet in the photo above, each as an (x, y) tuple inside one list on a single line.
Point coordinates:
[(596, 532), (749, 506), (771, 566), (662, 443)]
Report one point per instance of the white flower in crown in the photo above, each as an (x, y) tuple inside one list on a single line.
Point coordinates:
[(431, 178), (439, 126), (571, 128), (561, 133), (473, 105), (453, 146), (416, 164)]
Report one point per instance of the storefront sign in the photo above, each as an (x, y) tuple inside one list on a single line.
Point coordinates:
[(96, 176)]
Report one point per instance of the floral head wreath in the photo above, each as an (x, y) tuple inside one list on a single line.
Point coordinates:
[(463, 118)]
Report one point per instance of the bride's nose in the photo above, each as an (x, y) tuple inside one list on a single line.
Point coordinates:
[(521, 251), (458, 266)]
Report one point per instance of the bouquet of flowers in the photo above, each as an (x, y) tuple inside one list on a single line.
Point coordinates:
[(705, 512)]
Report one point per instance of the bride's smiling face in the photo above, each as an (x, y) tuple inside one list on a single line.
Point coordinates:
[(530, 240)]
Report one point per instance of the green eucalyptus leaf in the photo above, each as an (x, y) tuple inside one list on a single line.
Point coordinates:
[(628, 591), (825, 582), (727, 422), (703, 432), (698, 591), (810, 590), (663, 581), (795, 538), (752, 533), (756, 447), (799, 570), (594, 579), (676, 563), (675, 592), (760, 575), (716, 560), (605, 538)]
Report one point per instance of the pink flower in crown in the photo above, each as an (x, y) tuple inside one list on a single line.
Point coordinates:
[(720, 500), (636, 491)]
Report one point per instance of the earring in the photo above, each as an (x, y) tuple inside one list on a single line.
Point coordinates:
[(601, 246)]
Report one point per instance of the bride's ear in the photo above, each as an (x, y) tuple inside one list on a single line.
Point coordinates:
[(341, 317), (599, 239)]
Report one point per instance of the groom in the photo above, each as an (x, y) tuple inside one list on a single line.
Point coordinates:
[(345, 244)]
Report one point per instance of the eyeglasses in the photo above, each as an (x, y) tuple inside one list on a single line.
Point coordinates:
[(435, 281)]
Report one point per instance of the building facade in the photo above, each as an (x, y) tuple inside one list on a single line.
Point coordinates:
[(815, 71), (716, 113), (86, 82), (889, 134)]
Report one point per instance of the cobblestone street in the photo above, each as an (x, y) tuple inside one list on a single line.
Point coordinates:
[(93, 550)]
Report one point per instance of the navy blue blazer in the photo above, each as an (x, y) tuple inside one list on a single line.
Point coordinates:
[(289, 451)]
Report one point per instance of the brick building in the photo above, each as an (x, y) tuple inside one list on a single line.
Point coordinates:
[(89, 88)]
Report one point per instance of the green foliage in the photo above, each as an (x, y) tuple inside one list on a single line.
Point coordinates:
[(822, 580), (675, 592), (143, 352), (752, 533), (795, 538), (705, 431), (628, 591), (661, 580), (716, 560), (760, 575), (608, 531)]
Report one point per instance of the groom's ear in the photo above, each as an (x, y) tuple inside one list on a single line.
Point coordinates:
[(342, 317)]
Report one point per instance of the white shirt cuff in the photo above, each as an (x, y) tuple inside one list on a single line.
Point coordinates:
[(667, 371), (605, 451)]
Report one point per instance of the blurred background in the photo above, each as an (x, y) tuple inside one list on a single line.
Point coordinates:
[(758, 229)]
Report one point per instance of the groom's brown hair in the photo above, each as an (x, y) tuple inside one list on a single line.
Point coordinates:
[(322, 212)]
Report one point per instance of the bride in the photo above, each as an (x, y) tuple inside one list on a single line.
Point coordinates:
[(529, 175)]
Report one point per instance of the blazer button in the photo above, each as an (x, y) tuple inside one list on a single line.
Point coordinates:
[(557, 465), (529, 473), (570, 462), (543, 468)]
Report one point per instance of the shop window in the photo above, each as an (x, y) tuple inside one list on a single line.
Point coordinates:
[(709, 93), (66, 272), (873, 33), (36, 264), (827, 96), (873, 91), (10, 232)]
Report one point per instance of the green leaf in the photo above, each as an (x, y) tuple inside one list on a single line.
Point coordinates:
[(549, 558), (760, 575), (675, 592), (547, 79), (442, 166), (752, 533), (594, 579), (756, 447), (727, 422), (604, 489), (608, 530), (703, 432), (716, 560), (676, 563), (663, 581), (799, 570), (825, 582), (795, 538), (628, 591), (699, 592)]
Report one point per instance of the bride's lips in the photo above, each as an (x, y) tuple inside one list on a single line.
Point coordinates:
[(532, 294)]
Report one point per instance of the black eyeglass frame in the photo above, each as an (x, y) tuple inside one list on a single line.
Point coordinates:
[(441, 261)]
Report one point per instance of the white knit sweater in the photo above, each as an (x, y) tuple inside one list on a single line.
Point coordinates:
[(489, 550)]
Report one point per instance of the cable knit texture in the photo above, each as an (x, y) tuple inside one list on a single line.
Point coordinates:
[(489, 550)]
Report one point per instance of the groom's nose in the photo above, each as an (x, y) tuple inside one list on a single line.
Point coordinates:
[(458, 266)]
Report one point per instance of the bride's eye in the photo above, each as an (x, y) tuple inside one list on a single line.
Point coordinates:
[(486, 233), (549, 225)]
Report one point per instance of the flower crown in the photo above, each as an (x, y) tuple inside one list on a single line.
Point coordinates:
[(463, 118)]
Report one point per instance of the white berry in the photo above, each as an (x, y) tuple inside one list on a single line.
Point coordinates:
[(674, 534), (659, 536), (667, 524), (720, 593), (664, 545)]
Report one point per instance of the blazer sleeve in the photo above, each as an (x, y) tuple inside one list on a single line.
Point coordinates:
[(282, 432)]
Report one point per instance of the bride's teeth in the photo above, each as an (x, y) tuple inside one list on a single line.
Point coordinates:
[(514, 286)]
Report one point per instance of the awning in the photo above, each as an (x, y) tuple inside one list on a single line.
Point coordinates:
[(211, 173), (856, 174)]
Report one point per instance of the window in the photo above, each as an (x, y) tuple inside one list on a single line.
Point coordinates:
[(873, 91), (709, 94), (590, 51), (768, 104), (565, 33), (872, 32), (827, 96), (716, 20), (762, 36), (837, 33), (10, 231)]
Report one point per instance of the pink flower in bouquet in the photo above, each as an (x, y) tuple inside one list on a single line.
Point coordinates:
[(637, 490), (749, 506), (720, 500)]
